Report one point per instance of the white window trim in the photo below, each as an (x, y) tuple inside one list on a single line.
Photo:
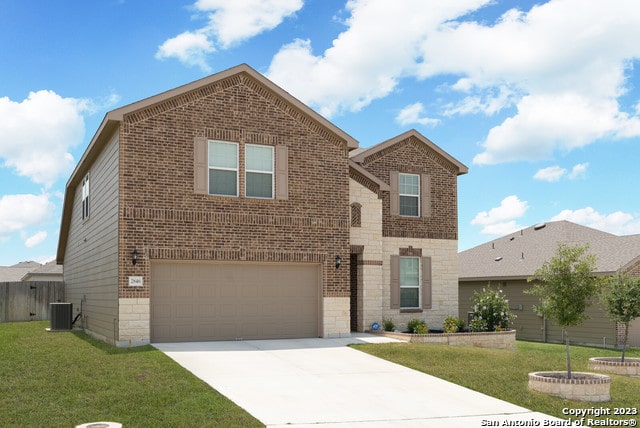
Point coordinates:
[(400, 195), (272, 172), (85, 197), (418, 286), (236, 169)]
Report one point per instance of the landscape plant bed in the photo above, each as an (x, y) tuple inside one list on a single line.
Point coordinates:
[(494, 339), (581, 386), (630, 366)]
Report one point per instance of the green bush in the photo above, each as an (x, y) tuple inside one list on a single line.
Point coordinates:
[(388, 324), (452, 324), (490, 311), (417, 326)]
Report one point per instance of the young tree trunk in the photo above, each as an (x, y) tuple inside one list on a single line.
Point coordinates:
[(626, 337), (566, 340)]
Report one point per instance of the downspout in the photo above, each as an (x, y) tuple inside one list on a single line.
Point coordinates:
[(544, 328)]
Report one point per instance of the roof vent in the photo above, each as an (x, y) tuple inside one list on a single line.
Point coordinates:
[(539, 226), (497, 259)]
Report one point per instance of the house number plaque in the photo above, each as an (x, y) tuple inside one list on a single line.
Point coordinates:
[(136, 281)]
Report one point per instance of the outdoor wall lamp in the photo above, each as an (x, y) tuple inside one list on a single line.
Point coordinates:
[(338, 262), (134, 257)]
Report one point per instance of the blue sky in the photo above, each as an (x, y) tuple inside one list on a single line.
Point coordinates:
[(541, 100)]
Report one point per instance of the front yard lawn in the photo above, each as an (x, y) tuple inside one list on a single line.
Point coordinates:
[(504, 374), (66, 379)]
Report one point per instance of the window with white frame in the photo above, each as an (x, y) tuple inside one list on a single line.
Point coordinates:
[(409, 191), (85, 197), (258, 171), (409, 282), (223, 168)]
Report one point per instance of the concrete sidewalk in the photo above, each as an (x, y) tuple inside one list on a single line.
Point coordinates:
[(304, 382)]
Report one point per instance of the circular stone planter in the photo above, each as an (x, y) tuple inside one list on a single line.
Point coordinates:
[(630, 367), (582, 386)]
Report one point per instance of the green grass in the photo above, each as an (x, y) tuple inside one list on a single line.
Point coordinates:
[(65, 379), (504, 374)]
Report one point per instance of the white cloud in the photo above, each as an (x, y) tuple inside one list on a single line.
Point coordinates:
[(618, 223), (563, 77), (502, 220), (233, 21), (37, 133), (35, 239), (555, 173), (552, 173), (18, 212), (579, 171), (414, 113), (365, 62), (229, 22), (189, 48)]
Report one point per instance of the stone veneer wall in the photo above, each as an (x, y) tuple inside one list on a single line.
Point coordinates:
[(368, 237), (444, 274), (134, 322), (336, 317)]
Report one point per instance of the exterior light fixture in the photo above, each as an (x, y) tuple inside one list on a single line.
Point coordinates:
[(338, 262), (134, 257)]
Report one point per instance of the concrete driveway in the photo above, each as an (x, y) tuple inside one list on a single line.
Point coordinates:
[(304, 382)]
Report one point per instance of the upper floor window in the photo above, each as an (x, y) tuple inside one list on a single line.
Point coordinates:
[(223, 168), (85, 197), (409, 191), (259, 171)]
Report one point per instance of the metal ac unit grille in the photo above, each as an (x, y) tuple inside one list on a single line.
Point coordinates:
[(61, 314)]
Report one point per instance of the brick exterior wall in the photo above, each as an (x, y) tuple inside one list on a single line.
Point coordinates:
[(163, 218), (414, 157)]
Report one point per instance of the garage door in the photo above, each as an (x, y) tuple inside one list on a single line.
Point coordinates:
[(231, 301)]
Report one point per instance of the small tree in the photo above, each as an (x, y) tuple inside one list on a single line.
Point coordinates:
[(621, 298), (565, 285)]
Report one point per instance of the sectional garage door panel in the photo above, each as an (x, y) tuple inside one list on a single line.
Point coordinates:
[(229, 301)]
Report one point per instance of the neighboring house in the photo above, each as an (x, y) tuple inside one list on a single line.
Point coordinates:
[(227, 209), (16, 272), (50, 271), (507, 262)]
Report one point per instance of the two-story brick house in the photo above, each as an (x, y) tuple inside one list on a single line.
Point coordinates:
[(225, 209)]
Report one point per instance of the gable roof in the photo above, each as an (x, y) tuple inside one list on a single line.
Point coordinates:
[(50, 269), (360, 155), (17, 271), (112, 120), (518, 255)]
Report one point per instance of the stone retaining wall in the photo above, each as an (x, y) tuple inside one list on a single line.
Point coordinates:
[(495, 339)]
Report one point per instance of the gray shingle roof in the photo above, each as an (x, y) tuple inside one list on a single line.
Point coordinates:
[(519, 254), (17, 271)]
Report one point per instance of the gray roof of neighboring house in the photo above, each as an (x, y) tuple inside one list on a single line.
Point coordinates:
[(48, 269), (520, 254), (17, 271)]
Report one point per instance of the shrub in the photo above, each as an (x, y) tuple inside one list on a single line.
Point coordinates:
[(478, 324), (490, 311), (452, 324), (417, 326), (388, 324)]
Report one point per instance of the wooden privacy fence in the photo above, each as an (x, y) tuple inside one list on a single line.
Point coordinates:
[(28, 300)]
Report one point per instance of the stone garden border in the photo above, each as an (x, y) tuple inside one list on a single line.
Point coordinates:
[(495, 339), (630, 367), (582, 386)]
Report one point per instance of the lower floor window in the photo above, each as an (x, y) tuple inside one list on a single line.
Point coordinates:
[(409, 282)]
